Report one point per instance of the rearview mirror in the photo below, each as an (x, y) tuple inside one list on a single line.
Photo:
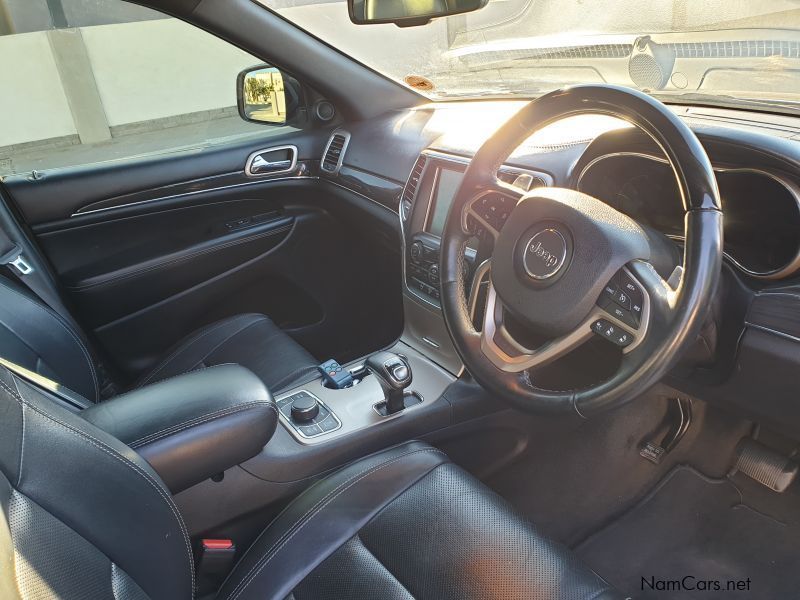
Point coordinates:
[(261, 95), (408, 13)]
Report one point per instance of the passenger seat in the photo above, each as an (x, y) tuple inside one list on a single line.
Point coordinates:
[(35, 337)]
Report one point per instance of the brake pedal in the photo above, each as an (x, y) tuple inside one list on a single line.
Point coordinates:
[(766, 466)]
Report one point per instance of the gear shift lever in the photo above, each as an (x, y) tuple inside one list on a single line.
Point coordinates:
[(394, 374)]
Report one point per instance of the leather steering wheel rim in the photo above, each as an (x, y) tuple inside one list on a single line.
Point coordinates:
[(676, 314)]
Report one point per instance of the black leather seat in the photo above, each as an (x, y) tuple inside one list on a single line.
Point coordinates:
[(83, 516), (37, 338)]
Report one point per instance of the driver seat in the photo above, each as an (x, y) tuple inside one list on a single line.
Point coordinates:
[(85, 517)]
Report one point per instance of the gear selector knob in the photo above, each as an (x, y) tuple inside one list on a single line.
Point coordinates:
[(394, 374)]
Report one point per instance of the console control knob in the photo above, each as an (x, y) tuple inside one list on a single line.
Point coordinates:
[(417, 250), (304, 409)]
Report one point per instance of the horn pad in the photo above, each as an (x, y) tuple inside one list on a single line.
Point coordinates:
[(557, 250)]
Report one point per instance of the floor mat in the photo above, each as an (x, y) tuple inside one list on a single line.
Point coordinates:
[(691, 530)]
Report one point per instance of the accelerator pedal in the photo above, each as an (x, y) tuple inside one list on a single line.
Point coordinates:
[(766, 466)]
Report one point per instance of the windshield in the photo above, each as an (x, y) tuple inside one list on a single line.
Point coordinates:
[(727, 52)]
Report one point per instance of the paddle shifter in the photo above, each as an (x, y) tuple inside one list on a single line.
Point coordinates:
[(394, 374)]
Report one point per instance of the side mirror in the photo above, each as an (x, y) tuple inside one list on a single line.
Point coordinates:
[(265, 96), (408, 13)]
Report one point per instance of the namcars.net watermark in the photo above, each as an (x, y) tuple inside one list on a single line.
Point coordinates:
[(691, 583)]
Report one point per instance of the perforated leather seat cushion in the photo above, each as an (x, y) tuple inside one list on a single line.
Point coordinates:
[(408, 524)]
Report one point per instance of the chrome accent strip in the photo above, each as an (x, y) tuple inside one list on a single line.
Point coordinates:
[(430, 342), (346, 136), (784, 271), (192, 193), (248, 165), (782, 334)]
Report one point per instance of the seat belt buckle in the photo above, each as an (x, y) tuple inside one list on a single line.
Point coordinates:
[(214, 563), (17, 260)]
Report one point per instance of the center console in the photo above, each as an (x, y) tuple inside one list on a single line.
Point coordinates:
[(316, 413), (426, 200)]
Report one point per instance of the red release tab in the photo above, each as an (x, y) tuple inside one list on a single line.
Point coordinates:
[(217, 544)]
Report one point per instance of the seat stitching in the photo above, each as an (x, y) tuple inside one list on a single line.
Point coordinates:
[(188, 343), (22, 441), (233, 335), (66, 328), (199, 420), (322, 503), (116, 455), (185, 345)]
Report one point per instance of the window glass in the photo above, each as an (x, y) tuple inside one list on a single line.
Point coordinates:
[(87, 81)]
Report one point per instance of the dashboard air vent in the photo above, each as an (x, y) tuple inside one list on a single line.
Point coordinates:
[(334, 152), (410, 191)]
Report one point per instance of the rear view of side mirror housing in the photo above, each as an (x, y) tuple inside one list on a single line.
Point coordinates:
[(408, 13)]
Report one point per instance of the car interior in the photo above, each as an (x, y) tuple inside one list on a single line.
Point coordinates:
[(534, 344)]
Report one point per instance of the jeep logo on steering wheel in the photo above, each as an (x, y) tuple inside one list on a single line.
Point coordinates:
[(545, 253)]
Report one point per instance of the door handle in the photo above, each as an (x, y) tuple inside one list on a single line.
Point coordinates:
[(271, 161)]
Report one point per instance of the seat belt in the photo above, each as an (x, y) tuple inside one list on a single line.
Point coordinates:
[(62, 395), (12, 256), (27, 270)]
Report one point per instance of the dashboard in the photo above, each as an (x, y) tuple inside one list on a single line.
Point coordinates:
[(410, 164)]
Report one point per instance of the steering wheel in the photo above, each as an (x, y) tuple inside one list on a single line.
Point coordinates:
[(566, 266)]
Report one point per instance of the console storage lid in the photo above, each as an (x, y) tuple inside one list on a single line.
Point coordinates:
[(193, 426)]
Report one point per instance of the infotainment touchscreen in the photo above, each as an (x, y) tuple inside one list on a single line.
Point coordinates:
[(446, 188)]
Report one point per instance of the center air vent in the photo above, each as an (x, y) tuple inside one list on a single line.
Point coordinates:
[(334, 152), (410, 191)]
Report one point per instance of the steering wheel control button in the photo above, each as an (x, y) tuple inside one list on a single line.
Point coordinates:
[(544, 254), (494, 209), (623, 315), (304, 408), (622, 298), (610, 290), (630, 287), (612, 333)]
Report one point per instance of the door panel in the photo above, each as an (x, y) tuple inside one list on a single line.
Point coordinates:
[(148, 251), (58, 194)]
